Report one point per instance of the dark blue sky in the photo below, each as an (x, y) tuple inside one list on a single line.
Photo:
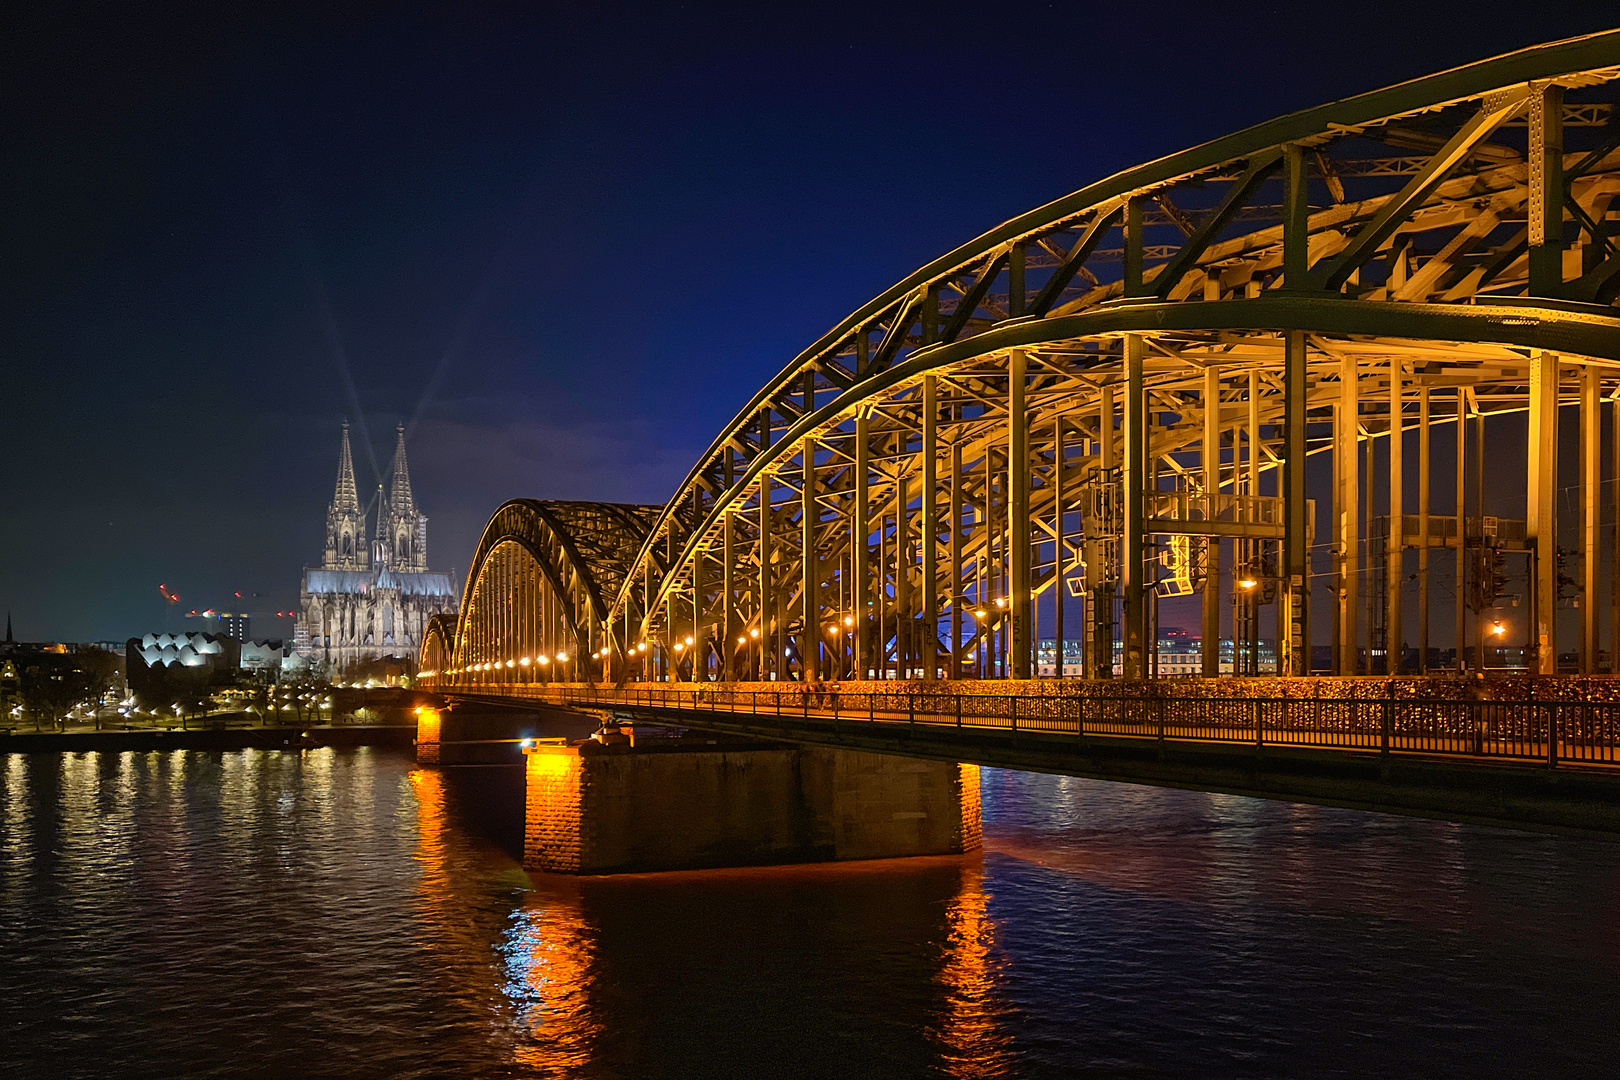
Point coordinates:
[(564, 242)]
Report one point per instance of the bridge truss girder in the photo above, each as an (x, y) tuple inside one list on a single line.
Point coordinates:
[(901, 495)]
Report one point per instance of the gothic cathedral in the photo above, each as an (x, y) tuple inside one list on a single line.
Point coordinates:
[(365, 602)]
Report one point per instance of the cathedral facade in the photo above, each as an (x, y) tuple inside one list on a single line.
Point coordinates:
[(370, 598)]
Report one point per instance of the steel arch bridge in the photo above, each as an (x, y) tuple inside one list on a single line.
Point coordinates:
[(1269, 371)]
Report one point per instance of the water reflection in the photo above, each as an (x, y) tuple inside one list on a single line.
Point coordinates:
[(346, 914), (977, 1042), (536, 995), (548, 952)]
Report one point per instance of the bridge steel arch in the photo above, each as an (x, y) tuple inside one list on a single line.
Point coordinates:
[(438, 645), (541, 583), (1120, 394)]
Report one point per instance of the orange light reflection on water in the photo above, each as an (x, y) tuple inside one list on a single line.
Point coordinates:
[(976, 1041), (539, 985), (549, 952)]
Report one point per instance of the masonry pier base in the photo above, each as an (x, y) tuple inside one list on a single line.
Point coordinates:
[(678, 804)]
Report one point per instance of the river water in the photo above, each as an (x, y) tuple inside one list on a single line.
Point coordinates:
[(343, 913)]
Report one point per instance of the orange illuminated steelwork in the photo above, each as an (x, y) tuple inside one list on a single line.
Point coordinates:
[(1122, 389)]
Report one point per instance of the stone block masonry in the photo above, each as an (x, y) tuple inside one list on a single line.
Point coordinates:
[(593, 809)]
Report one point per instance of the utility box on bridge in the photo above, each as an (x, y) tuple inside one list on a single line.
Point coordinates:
[(595, 808)]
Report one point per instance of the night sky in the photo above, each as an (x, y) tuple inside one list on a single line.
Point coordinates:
[(563, 243)]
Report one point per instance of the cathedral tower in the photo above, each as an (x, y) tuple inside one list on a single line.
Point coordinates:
[(366, 602), (345, 520), (402, 529)]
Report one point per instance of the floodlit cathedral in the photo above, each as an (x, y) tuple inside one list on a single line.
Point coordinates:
[(367, 601)]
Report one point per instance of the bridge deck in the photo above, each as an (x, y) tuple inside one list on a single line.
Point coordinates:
[(1487, 761), (1584, 734)]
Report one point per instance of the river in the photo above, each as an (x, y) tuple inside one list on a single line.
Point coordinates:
[(342, 913)]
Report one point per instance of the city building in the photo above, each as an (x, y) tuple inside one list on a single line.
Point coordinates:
[(1178, 654), (370, 600)]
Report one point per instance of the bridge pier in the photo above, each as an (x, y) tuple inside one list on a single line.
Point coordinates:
[(602, 807)]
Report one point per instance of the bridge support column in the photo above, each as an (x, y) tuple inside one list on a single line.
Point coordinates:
[(1591, 511), (728, 598), (1059, 547), (700, 629), (1292, 619), (1210, 455), (1614, 568), (1133, 542), (1423, 530), (1541, 522), (1395, 534), (810, 569), (929, 650), (767, 595), (1018, 553), (859, 531), (1100, 595), (957, 589), (1460, 565), (1346, 466), (905, 562)]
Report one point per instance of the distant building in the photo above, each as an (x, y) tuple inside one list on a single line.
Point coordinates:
[(365, 602), (274, 656), (1178, 655), (235, 626), (162, 668)]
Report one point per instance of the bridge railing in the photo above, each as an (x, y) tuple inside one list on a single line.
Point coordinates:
[(1552, 732)]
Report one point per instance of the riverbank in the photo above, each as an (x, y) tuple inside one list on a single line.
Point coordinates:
[(214, 738)]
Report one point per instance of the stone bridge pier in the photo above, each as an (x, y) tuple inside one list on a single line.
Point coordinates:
[(616, 798)]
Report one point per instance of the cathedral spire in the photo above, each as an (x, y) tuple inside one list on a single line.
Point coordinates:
[(400, 501), (405, 534), (345, 521), (346, 500)]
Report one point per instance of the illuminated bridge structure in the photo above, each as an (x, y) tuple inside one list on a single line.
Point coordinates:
[(1183, 379), (1357, 357)]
